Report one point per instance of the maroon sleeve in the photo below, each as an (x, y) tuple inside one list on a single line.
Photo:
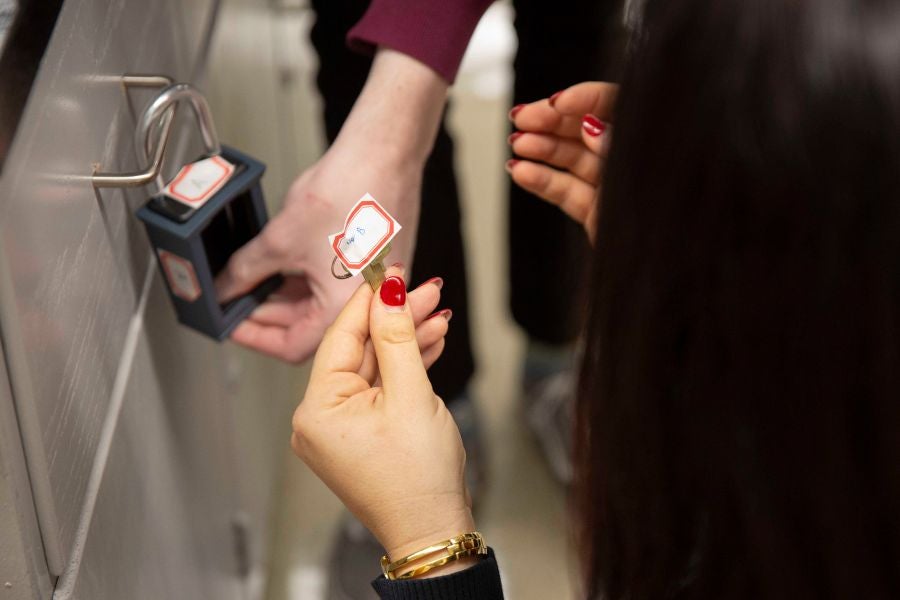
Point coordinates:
[(435, 32)]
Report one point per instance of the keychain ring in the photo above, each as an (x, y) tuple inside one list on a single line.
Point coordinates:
[(345, 275)]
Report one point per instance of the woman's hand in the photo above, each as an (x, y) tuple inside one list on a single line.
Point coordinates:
[(392, 453), (563, 142)]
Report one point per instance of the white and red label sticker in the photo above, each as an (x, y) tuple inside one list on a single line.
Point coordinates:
[(199, 181), (367, 230), (180, 275)]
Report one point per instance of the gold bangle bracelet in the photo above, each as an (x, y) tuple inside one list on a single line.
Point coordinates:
[(461, 546)]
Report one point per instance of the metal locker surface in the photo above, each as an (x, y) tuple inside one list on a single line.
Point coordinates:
[(75, 260), (262, 426), (162, 515), (23, 570)]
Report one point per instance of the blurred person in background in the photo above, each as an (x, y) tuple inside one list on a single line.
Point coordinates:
[(738, 423)]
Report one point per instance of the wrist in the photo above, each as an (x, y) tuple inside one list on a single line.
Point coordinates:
[(429, 535)]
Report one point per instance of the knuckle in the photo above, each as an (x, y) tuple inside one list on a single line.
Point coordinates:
[(589, 166), (573, 206), (274, 240), (298, 445), (241, 269), (397, 331), (344, 384), (298, 421), (545, 184), (557, 150)]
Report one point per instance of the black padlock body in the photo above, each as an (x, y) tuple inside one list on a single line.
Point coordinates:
[(193, 246)]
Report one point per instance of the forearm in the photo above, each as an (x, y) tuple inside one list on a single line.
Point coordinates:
[(398, 112)]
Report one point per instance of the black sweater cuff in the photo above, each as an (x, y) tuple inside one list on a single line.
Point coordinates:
[(481, 581)]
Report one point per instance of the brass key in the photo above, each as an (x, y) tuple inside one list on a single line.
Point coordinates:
[(374, 273)]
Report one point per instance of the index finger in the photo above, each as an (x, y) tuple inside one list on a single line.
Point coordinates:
[(595, 97), (563, 116), (540, 117)]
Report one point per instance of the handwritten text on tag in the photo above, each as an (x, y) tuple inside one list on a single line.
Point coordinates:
[(367, 230)]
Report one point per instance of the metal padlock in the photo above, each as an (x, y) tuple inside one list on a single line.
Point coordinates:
[(193, 244)]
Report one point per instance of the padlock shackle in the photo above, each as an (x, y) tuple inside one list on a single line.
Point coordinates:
[(167, 100)]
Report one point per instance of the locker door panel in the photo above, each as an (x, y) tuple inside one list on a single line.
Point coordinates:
[(22, 563), (264, 396), (75, 258), (162, 519)]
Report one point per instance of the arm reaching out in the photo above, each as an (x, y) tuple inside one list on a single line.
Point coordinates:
[(381, 149)]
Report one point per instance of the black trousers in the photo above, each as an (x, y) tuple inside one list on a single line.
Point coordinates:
[(558, 46)]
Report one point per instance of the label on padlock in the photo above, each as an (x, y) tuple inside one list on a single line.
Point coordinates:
[(180, 275), (199, 181), (367, 230)]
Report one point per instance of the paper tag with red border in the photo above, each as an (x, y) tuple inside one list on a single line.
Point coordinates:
[(367, 230), (180, 275), (197, 182)]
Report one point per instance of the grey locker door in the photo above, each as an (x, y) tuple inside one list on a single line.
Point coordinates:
[(23, 569), (127, 419)]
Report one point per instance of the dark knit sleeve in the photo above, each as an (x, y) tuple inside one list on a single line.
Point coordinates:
[(435, 32), (479, 582)]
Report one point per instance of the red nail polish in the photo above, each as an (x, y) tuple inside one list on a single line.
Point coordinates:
[(393, 291), (592, 125), (515, 110), (554, 97), (514, 136), (446, 313), (511, 163), (437, 281)]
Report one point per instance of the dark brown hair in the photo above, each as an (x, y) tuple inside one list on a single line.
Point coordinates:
[(739, 412)]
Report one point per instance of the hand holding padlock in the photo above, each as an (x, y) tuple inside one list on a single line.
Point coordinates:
[(290, 324)]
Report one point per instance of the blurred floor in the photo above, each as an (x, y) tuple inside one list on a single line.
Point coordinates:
[(523, 511)]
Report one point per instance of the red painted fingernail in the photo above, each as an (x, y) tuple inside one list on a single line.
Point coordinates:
[(437, 281), (446, 313), (554, 97), (511, 163), (393, 291), (515, 110), (592, 125), (514, 136)]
